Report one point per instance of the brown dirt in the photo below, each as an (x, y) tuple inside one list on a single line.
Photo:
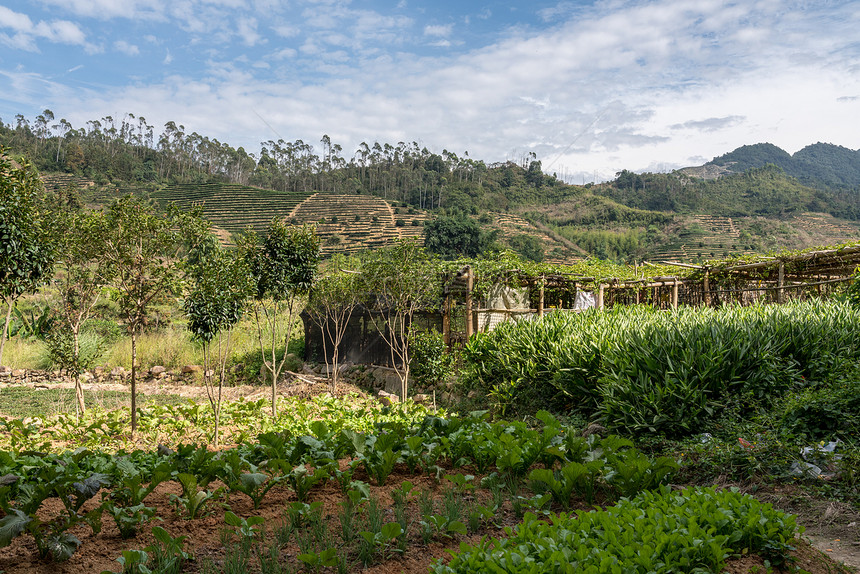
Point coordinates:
[(304, 387), (831, 527)]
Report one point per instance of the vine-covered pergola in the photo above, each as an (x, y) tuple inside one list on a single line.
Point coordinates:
[(471, 292)]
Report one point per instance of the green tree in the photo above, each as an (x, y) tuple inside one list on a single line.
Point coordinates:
[(283, 265), (528, 246), (26, 251), (456, 237), (334, 297), (399, 281), (143, 249), (220, 289), (81, 275)]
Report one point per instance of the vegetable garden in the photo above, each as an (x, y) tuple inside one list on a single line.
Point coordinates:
[(337, 486), (573, 442)]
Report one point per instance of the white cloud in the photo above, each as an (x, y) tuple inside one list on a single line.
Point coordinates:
[(652, 83), (25, 32), (126, 48), (438, 31), (247, 30), (107, 9)]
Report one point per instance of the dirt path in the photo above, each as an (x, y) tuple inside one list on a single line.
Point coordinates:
[(832, 527), (307, 386)]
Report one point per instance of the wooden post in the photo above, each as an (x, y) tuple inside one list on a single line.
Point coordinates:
[(707, 288), (469, 318), (600, 289), (540, 297), (675, 294), (780, 282)]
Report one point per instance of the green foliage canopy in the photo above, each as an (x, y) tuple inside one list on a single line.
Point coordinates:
[(455, 237), (27, 253)]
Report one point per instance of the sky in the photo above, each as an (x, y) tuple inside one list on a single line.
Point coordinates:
[(590, 87)]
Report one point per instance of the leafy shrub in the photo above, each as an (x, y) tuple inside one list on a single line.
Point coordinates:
[(663, 372), (825, 411), (430, 362)]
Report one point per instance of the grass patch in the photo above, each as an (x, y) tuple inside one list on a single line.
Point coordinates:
[(28, 402)]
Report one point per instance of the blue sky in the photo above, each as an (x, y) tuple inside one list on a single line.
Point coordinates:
[(590, 87)]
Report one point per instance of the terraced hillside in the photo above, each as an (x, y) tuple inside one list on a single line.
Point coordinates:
[(703, 237), (557, 248), (352, 223), (232, 207)]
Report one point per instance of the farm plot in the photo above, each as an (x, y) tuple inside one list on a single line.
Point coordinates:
[(346, 486)]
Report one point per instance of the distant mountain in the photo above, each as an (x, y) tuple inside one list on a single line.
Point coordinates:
[(821, 165)]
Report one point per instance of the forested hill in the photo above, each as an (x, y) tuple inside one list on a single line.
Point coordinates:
[(762, 191), (128, 152), (631, 217), (821, 165)]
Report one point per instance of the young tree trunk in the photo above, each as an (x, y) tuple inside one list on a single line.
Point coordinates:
[(5, 328), (133, 379), (79, 389)]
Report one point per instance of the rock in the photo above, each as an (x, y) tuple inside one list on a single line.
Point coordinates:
[(594, 428), (5, 370), (423, 399), (19, 373), (86, 377), (8, 479), (387, 399), (117, 372), (188, 369), (157, 370), (391, 383)]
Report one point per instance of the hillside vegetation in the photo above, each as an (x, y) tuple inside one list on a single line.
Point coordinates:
[(764, 198)]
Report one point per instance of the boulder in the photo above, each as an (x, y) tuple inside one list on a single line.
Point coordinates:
[(391, 383), (595, 428), (189, 369), (423, 399), (157, 370), (387, 399), (117, 372)]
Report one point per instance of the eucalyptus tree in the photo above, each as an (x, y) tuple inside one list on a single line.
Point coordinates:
[(399, 281), (143, 248), (26, 249), (331, 303), (219, 291), (283, 265)]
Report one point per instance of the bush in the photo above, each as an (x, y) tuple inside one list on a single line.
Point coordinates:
[(430, 362), (824, 412), (663, 372)]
